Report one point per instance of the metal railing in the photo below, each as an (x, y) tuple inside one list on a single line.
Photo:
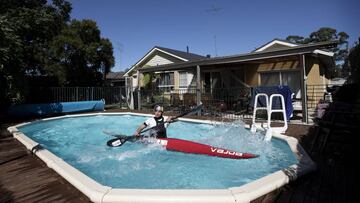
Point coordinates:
[(224, 102), (318, 98), (315, 94), (111, 95)]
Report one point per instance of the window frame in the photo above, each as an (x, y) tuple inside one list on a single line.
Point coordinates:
[(167, 85)]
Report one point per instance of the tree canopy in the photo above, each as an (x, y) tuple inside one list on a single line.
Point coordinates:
[(38, 38), (354, 61), (327, 34), (79, 54)]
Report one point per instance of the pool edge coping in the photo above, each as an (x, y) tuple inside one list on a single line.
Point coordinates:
[(100, 193)]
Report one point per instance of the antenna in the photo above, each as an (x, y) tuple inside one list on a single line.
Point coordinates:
[(120, 47), (215, 45), (214, 10)]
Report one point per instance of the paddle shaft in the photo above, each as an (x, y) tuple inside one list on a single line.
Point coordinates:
[(197, 108)]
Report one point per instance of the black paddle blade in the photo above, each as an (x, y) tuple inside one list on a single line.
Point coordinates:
[(116, 142)]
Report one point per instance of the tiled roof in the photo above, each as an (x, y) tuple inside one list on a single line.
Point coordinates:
[(186, 55), (115, 75)]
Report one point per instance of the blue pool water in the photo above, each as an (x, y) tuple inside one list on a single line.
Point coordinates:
[(80, 141)]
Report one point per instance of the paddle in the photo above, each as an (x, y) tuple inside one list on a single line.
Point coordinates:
[(121, 139)]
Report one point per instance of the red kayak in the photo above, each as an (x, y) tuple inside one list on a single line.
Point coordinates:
[(186, 146)]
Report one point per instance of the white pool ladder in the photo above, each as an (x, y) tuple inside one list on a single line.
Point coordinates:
[(256, 108), (270, 129), (270, 110)]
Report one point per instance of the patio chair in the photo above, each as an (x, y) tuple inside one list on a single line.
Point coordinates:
[(241, 105), (175, 99), (212, 106), (189, 100), (207, 99), (208, 103), (175, 102)]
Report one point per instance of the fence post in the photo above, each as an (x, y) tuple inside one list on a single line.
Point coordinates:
[(120, 96), (303, 89), (198, 88), (163, 98), (138, 89), (77, 93), (92, 93)]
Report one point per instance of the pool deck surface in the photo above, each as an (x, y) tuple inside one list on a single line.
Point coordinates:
[(25, 178)]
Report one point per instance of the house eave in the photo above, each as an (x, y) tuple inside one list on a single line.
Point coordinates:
[(276, 41), (148, 54), (298, 50), (325, 53)]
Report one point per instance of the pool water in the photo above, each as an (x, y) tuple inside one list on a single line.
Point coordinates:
[(80, 141)]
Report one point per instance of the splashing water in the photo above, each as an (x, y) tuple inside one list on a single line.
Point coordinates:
[(80, 141)]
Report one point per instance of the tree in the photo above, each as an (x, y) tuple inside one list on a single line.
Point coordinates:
[(327, 34), (295, 39), (37, 38), (79, 56), (26, 28), (323, 34), (354, 60), (10, 62)]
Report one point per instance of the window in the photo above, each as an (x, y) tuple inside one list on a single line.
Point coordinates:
[(166, 81), (187, 80), (292, 79), (270, 79), (289, 78), (212, 80), (183, 80)]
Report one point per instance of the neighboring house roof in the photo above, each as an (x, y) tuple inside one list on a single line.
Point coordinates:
[(265, 54), (337, 82), (115, 75), (276, 44), (181, 55), (185, 55)]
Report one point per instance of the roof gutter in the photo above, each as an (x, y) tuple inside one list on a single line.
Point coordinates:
[(293, 51)]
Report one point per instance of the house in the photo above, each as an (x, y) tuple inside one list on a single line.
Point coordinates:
[(115, 79), (303, 68), (158, 56)]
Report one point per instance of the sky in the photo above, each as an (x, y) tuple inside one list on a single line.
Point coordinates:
[(215, 27)]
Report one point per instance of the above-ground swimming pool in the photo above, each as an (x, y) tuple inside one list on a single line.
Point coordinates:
[(80, 141)]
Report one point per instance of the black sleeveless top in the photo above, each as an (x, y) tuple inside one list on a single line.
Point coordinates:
[(159, 131)]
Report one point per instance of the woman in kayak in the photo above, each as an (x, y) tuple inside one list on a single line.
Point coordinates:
[(158, 120)]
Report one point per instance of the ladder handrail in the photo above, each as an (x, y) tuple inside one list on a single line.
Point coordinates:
[(270, 110), (253, 124)]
